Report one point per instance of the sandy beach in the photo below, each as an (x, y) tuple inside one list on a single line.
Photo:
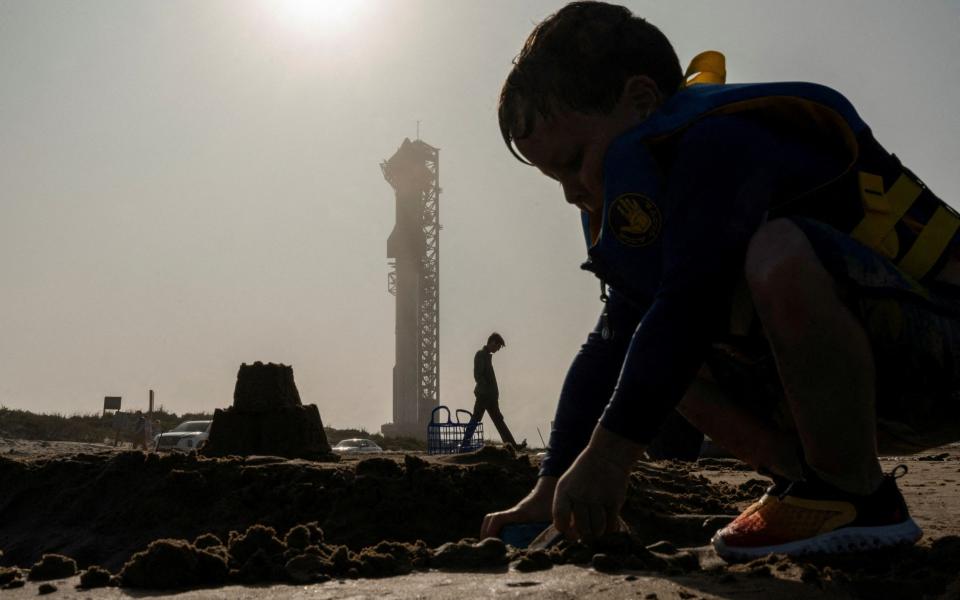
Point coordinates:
[(101, 505)]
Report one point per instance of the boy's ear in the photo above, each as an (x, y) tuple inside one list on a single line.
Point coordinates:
[(641, 94)]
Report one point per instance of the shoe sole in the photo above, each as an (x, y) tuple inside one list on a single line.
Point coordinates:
[(849, 539)]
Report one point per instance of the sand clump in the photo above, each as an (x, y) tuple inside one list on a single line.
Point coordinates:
[(171, 564), (96, 576), (259, 556), (46, 588), (470, 554), (53, 566), (8, 575), (535, 560)]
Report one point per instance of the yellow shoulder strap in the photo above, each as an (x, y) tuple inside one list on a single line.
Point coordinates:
[(706, 67)]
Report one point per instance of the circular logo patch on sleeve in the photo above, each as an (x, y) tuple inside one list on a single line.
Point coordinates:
[(634, 219)]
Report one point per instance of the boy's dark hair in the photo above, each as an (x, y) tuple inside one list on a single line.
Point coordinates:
[(496, 337), (580, 58)]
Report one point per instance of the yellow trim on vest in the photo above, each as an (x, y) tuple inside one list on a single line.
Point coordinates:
[(707, 67), (882, 210), (931, 243)]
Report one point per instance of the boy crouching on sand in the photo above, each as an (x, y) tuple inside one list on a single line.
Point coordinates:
[(769, 271)]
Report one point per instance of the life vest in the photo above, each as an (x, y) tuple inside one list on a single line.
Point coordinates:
[(875, 198)]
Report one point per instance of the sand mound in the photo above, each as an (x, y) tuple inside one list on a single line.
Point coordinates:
[(258, 520), (96, 577), (267, 418), (169, 564), (53, 566), (8, 575), (493, 455), (100, 509), (259, 556), (469, 554)]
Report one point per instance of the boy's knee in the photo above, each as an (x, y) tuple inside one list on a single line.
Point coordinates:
[(782, 269), (786, 279), (777, 253)]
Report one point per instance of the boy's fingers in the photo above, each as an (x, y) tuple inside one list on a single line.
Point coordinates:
[(561, 513), (581, 520), (494, 522), (598, 520), (485, 527)]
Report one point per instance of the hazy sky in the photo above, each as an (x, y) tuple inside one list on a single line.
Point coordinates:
[(187, 185)]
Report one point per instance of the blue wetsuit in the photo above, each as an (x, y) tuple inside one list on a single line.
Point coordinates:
[(719, 177)]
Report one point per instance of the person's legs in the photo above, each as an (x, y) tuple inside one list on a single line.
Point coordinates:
[(494, 409), (479, 407), (841, 364), (914, 336), (823, 356)]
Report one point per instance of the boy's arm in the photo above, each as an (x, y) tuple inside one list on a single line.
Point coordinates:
[(588, 385)]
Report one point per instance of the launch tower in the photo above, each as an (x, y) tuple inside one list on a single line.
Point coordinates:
[(413, 250)]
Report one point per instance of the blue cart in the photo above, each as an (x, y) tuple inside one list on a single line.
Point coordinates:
[(446, 437)]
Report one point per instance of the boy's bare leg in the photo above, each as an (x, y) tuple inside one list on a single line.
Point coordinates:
[(742, 433), (822, 353)]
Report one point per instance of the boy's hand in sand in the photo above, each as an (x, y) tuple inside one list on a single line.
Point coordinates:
[(536, 507), (588, 498)]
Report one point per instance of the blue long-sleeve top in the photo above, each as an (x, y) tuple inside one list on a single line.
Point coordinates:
[(719, 178)]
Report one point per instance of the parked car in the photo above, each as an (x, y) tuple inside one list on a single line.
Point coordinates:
[(185, 436), (357, 446)]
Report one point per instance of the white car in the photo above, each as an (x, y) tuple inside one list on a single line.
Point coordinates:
[(185, 436), (357, 446)]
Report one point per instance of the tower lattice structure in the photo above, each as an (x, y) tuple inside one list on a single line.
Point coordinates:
[(414, 277)]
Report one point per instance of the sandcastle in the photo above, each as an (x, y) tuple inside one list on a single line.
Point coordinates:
[(268, 418)]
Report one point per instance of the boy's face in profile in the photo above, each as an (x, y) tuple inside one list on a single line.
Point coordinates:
[(569, 146)]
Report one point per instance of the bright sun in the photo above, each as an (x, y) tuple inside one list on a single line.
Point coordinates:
[(315, 16)]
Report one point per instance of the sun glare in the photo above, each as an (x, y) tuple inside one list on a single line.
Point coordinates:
[(318, 16)]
